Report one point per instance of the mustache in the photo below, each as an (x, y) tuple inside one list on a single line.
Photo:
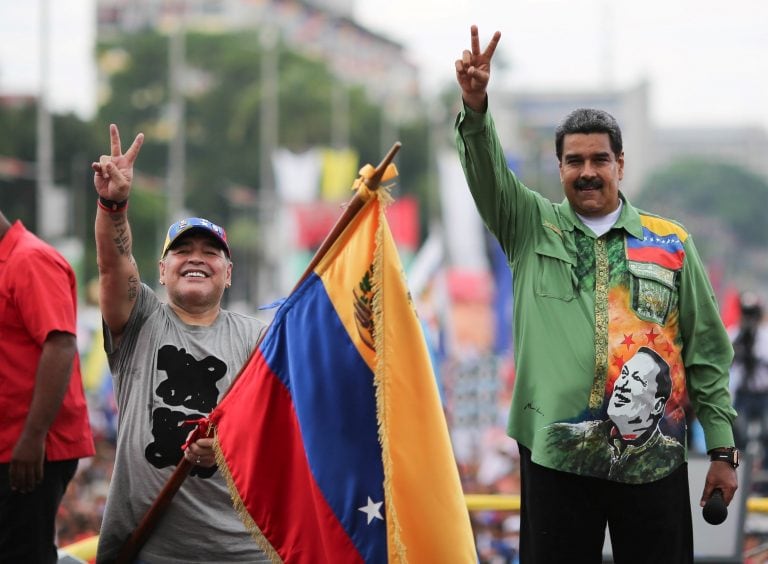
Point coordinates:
[(584, 183)]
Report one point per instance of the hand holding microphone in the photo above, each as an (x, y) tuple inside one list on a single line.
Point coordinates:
[(715, 511), (722, 476)]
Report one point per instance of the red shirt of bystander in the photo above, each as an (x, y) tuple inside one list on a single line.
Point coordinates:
[(38, 295)]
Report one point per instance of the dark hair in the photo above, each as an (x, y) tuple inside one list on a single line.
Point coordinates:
[(588, 120), (663, 379)]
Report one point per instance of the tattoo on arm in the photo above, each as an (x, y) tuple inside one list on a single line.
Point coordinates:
[(122, 238)]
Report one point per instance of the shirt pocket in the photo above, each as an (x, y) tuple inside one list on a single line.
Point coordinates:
[(652, 291), (555, 275)]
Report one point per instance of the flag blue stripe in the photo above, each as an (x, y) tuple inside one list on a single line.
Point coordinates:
[(334, 397), (671, 243)]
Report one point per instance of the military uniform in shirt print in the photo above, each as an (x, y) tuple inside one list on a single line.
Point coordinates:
[(643, 305), (190, 384)]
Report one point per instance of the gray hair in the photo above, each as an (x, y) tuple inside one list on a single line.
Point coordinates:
[(588, 120)]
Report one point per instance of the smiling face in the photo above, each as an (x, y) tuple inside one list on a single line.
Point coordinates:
[(633, 406), (590, 173), (196, 270)]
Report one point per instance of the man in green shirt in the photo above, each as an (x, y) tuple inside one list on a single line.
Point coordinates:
[(598, 282)]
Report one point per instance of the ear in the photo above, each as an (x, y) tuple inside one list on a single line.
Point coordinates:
[(620, 162), (228, 281), (658, 406), (161, 268)]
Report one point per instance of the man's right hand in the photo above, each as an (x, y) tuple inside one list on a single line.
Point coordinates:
[(113, 173), (25, 471), (473, 70)]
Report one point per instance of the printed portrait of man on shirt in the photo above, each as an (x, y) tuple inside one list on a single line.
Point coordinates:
[(610, 448)]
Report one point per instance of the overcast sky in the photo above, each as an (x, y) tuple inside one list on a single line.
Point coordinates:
[(72, 73), (706, 61)]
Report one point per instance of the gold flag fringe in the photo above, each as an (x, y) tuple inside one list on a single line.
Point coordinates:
[(237, 501), (380, 376)]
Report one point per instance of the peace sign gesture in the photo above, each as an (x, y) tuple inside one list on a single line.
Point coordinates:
[(113, 173), (473, 70)]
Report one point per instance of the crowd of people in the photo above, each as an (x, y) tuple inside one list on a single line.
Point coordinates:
[(82, 508)]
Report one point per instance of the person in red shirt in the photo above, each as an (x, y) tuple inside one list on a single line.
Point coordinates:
[(45, 428)]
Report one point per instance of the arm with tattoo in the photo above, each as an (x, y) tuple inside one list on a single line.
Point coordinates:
[(118, 273)]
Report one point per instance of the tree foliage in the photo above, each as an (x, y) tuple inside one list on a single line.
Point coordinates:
[(224, 93)]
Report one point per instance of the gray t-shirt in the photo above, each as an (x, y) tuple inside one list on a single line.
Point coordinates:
[(165, 372)]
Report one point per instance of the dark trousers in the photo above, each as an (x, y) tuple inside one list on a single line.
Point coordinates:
[(563, 518), (28, 521)]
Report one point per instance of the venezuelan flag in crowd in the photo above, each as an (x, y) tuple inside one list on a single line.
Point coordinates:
[(333, 438)]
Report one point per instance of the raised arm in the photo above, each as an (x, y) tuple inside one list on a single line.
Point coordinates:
[(118, 274), (473, 70)]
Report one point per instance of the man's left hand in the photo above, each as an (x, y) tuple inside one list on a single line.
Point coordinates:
[(201, 453), (721, 476)]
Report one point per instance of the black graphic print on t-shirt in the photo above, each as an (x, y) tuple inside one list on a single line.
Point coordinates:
[(192, 384)]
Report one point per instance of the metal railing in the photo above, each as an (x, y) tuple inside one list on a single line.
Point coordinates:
[(511, 502)]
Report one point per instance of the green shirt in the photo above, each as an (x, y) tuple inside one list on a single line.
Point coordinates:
[(584, 305)]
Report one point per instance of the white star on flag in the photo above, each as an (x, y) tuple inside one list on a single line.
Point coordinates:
[(373, 510)]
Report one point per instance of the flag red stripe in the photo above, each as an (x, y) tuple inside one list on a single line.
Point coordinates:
[(658, 256), (270, 470)]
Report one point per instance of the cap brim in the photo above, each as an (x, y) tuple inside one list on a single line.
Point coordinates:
[(196, 229)]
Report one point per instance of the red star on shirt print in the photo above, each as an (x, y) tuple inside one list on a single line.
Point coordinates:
[(652, 335), (628, 340)]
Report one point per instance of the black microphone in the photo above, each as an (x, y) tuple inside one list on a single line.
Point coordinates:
[(715, 511)]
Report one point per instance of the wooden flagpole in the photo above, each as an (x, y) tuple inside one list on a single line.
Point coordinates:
[(133, 544)]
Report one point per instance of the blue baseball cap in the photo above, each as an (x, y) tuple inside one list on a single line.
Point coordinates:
[(195, 224)]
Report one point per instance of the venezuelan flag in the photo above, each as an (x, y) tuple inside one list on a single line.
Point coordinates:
[(333, 438), (662, 244)]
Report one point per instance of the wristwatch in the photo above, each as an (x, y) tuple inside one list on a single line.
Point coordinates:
[(729, 455)]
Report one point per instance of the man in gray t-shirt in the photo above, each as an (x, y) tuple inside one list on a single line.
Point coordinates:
[(171, 362)]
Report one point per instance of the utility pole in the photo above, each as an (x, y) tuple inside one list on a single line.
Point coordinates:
[(339, 114), (266, 272), (268, 118), (177, 152), (45, 224)]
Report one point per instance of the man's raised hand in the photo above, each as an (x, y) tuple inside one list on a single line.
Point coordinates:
[(113, 173), (473, 70)]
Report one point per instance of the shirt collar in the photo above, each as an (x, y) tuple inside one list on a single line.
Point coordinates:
[(629, 220)]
